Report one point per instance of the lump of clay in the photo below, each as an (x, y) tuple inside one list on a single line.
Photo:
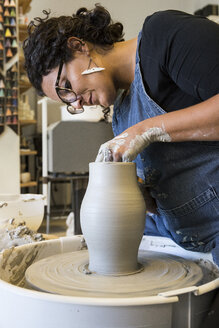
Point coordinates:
[(16, 234)]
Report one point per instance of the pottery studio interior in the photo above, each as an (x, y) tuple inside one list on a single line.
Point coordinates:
[(109, 164)]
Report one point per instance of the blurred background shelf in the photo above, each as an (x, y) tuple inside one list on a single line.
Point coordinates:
[(27, 122), (29, 184), (24, 86), (22, 32), (25, 5), (28, 152)]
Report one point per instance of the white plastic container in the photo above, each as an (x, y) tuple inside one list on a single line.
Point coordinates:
[(22, 207), (24, 308)]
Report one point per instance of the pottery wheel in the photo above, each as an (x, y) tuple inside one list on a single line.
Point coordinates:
[(63, 274)]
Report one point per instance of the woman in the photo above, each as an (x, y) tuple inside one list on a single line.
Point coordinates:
[(164, 86)]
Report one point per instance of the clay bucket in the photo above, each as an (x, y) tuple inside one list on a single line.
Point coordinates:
[(22, 207)]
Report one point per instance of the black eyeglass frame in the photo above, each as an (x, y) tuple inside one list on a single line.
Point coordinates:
[(70, 109)]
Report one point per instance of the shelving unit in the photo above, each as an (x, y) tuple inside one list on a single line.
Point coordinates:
[(11, 63), (8, 66), (24, 85), (9, 124), (29, 184), (27, 152), (25, 5), (27, 122), (13, 83), (22, 30)]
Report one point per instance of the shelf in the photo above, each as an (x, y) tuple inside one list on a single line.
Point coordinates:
[(24, 86), (21, 64), (28, 184), (25, 4), (11, 62), (27, 122), (23, 34), (28, 152)]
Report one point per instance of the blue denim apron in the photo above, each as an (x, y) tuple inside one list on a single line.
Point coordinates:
[(182, 177)]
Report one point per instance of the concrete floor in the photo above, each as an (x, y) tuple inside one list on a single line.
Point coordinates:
[(58, 226), (58, 219)]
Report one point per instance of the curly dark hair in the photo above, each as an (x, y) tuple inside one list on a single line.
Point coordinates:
[(46, 44)]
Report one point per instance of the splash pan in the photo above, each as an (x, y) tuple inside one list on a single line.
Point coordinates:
[(111, 307)]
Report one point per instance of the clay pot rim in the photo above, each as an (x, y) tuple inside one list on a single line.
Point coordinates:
[(14, 198)]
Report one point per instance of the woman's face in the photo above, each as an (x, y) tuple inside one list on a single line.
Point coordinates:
[(92, 89)]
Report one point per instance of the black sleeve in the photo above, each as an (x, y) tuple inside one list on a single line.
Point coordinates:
[(184, 49)]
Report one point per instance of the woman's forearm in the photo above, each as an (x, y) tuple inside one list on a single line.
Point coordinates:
[(196, 123)]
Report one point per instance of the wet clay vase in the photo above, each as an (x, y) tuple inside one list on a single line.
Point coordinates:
[(113, 218)]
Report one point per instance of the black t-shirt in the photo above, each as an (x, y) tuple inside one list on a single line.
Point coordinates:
[(179, 58)]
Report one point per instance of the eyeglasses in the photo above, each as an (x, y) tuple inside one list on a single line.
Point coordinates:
[(67, 95)]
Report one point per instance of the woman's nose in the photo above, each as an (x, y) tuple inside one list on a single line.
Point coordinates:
[(78, 103)]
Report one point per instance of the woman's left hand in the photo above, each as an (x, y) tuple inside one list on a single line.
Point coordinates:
[(116, 150)]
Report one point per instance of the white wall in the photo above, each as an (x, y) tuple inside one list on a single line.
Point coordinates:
[(9, 162), (198, 4), (131, 13)]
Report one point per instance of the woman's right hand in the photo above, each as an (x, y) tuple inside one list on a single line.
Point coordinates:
[(126, 146)]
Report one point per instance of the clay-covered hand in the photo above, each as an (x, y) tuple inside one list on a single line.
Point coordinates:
[(126, 146)]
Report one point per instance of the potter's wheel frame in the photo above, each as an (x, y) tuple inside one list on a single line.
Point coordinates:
[(57, 310)]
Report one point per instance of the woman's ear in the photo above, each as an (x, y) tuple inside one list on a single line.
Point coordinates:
[(77, 44)]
